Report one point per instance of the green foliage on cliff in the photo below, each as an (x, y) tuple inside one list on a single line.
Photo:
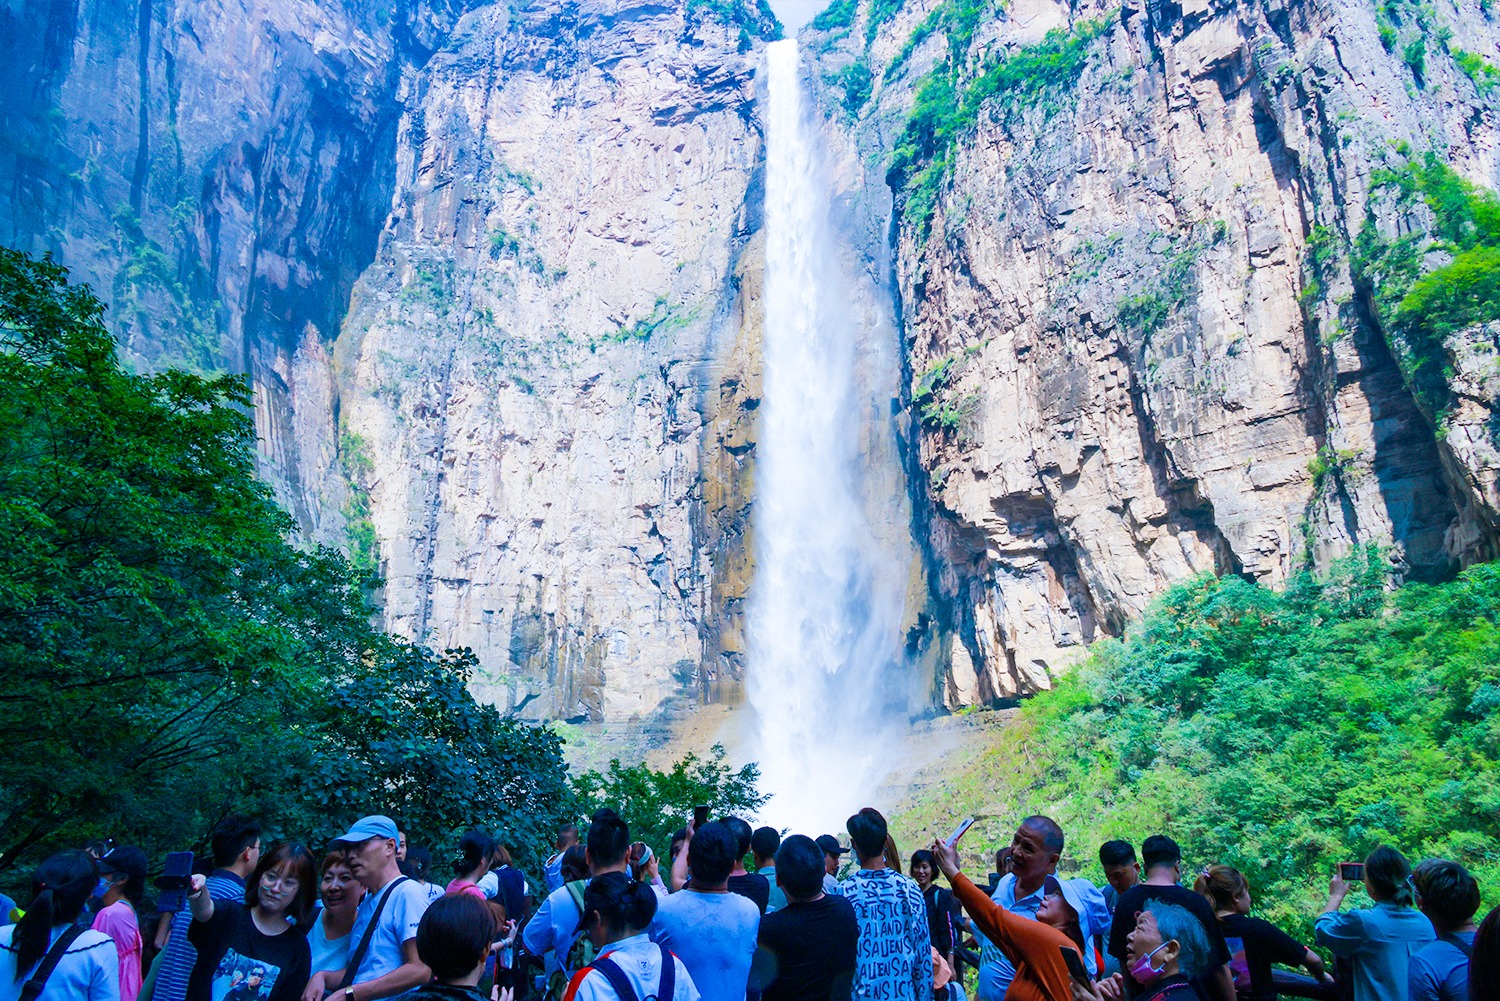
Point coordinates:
[(1420, 306), (171, 653), (663, 319), (1484, 73), (949, 99), (1279, 732), (150, 288), (881, 11), (1165, 290), (753, 18), (364, 546), (837, 15), (656, 803), (856, 81), (938, 408)]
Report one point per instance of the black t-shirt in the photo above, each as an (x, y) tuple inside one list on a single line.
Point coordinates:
[(754, 886), (1253, 946), (941, 907), (1173, 988), (239, 962), (807, 951), (1129, 907)]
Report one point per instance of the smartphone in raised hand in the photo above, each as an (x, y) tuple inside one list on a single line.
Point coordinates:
[(700, 816), (174, 882), (959, 831), (1352, 872)]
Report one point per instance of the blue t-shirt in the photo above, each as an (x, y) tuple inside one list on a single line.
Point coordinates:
[(1440, 971), (714, 935), (399, 919), (550, 931), (1379, 941)]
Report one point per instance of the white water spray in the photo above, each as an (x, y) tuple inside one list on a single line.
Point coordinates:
[(826, 601)]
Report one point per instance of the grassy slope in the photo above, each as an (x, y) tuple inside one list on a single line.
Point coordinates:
[(1277, 732)]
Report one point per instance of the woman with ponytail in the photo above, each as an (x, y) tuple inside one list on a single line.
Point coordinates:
[(473, 863), (617, 910), (85, 966), (1378, 941), (1254, 944)]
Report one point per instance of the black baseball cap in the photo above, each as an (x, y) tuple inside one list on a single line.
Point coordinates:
[(127, 860), (830, 845)]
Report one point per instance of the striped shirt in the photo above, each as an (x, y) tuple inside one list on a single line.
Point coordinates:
[(179, 956)]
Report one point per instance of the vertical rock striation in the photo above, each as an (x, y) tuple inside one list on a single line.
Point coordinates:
[(1137, 348), (488, 271), (533, 367)]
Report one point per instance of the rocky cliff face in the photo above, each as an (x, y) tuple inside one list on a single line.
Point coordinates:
[(1137, 347), (491, 275), (494, 275), (531, 365)]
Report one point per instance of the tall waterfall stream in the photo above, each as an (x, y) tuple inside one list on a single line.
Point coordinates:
[(826, 602)]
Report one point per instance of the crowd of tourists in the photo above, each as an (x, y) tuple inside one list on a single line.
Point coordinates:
[(732, 914)]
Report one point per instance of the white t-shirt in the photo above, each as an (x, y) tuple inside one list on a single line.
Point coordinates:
[(640, 959), (327, 953), (88, 971), (398, 924), (489, 885)]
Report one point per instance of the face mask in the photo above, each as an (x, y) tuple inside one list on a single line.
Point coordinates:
[(101, 888), (1144, 973)]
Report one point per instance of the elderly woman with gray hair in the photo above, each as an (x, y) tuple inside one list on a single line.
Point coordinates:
[(1167, 949)]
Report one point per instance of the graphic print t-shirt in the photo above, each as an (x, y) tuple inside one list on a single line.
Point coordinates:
[(1253, 946), (239, 962), (895, 948)]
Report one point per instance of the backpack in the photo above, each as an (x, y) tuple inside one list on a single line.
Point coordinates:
[(580, 953), (666, 985), (33, 987)]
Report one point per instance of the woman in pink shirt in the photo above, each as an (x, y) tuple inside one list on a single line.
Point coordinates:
[(474, 850), (121, 883)]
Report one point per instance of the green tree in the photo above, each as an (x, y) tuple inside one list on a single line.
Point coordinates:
[(403, 722), (171, 654), (148, 595), (656, 803)]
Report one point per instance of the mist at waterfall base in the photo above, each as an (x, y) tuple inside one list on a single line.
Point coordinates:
[(826, 601)]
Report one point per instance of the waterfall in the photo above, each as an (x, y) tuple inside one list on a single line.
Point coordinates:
[(825, 605)]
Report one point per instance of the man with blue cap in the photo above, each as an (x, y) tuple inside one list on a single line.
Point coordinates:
[(383, 958)]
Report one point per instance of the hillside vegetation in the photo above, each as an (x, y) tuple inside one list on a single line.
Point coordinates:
[(1279, 732)]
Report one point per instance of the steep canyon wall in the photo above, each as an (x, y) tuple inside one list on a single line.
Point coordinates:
[(1137, 348), (494, 274), (491, 273)]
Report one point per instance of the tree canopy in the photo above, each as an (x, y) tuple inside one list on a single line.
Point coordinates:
[(172, 652), (655, 803)]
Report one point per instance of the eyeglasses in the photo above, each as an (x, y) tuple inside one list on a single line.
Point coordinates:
[(273, 881)]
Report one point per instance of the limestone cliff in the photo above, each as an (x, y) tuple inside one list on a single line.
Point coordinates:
[(490, 272), (1136, 345), (530, 364)]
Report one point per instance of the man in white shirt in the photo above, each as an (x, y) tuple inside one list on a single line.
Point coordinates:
[(384, 962)]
